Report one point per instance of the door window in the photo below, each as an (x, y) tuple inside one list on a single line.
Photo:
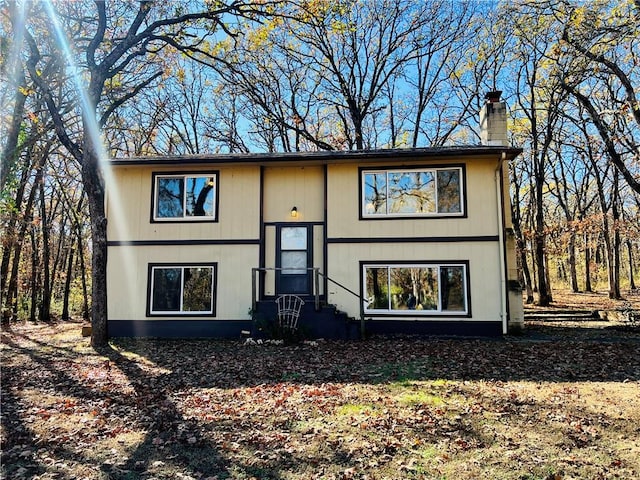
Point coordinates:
[(294, 276)]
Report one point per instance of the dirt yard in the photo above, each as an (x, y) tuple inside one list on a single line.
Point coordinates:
[(561, 401)]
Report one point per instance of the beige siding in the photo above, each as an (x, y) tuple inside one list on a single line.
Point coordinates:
[(344, 203), (508, 222), (286, 187), (270, 260), (128, 271), (344, 267), (129, 208), (129, 211), (516, 307), (481, 221)]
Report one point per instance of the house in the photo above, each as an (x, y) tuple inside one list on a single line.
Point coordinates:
[(389, 241)]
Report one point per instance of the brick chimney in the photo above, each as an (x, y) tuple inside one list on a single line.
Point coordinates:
[(493, 121)]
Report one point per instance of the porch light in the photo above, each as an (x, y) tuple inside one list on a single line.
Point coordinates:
[(294, 212)]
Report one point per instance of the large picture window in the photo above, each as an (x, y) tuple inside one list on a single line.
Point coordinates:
[(416, 289), (180, 197), (412, 192), (182, 289)]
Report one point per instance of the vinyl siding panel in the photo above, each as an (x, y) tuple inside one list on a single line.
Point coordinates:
[(127, 269), (244, 234), (129, 207), (483, 257), (344, 201), (286, 187)]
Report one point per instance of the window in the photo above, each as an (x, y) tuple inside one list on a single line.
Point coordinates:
[(412, 192), (182, 289), (416, 289), (293, 250), (179, 197)]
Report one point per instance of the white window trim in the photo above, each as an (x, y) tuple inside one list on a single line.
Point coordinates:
[(182, 312), (413, 313), (387, 171), (184, 217)]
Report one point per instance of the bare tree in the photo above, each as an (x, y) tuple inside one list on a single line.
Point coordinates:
[(604, 76), (539, 98), (346, 75), (121, 55)]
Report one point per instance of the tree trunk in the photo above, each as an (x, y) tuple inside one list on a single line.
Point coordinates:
[(587, 264), (547, 271), (617, 243), (10, 241), (608, 253), (94, 186), (12, 245), (524, 268), (535, 270), (561, 273), (357, 119), (35, 275), (67, 286), (572, 263), (613, 244), (12, 288), (83, 276), (60, 257), (45, 305), (544, 298), (610, 269), (632, 284), (99, 334), (77, 229), (10, 152)]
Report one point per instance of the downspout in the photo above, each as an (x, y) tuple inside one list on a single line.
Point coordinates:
[(503, 266)]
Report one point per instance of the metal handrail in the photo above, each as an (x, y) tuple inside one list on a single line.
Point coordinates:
[(254, 289), (316, 285), (359, 297)]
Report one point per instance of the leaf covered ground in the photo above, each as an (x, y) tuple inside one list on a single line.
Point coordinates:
[(565, 299), (544, 405)]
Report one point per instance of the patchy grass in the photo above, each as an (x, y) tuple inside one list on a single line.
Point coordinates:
[(420, 397), (550, 404)]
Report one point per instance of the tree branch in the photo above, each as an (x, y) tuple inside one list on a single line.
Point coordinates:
[(239, 8), (99, 35), (128, 96), (616, 158), (614, 68), (58, 123)]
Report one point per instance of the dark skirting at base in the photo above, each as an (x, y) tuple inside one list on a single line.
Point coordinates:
[(470, 328), (179, 328), (345, 330)]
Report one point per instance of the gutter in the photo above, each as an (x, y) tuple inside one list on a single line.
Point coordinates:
[(318, 158)]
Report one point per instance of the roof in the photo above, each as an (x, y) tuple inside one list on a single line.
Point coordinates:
[(321, 157)]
